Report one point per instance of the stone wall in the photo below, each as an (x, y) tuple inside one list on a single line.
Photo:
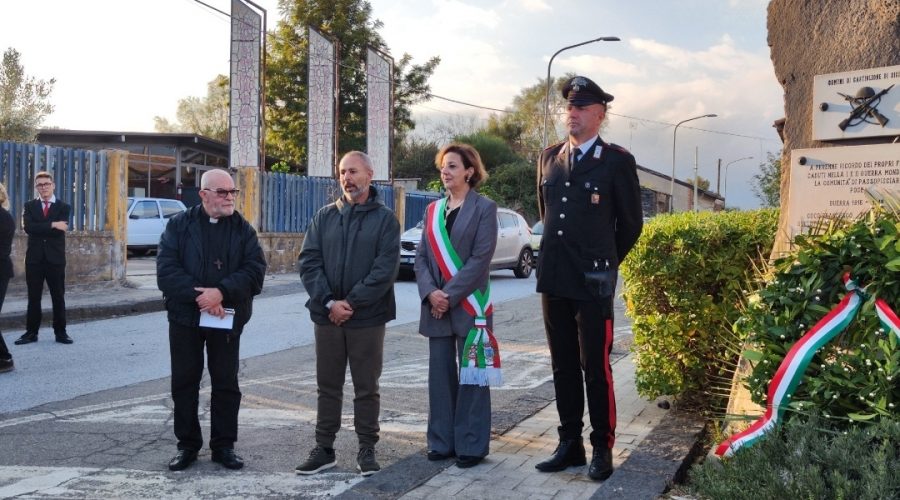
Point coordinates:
[(282, 250), (89, 258), (814, 37)]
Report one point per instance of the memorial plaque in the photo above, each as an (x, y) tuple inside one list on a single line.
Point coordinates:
[(828, 182), (855, 104)]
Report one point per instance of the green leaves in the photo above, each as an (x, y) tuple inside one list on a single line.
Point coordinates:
[(684, 287), (855, 378)]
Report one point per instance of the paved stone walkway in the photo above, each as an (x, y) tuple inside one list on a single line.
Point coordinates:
[(508, 472)]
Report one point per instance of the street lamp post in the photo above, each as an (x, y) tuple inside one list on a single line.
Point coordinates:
[(725, 178), (672, 182), (547, 101)]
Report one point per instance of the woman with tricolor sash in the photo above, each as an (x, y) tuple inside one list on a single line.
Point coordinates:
[(452, 270)]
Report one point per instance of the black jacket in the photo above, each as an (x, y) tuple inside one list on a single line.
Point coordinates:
[(591, 214), (180, 260), (352, 253), (45, 244), (7, 233)]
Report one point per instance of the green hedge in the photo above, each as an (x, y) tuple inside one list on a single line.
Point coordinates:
[(808, 458), (684, 283)]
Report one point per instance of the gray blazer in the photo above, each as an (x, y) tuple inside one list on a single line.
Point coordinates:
[(474, 236)]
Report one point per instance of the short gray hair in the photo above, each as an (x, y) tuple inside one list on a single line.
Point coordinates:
[(362, 156)]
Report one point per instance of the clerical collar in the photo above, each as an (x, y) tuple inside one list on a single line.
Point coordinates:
[(213, 220)]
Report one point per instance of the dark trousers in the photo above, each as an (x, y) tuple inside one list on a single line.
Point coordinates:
[(363, 349), (580, 336), (4, 351), (55, 276), (459, 416), (222, 348)]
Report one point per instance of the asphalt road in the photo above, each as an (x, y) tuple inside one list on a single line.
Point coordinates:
[(93, 420)]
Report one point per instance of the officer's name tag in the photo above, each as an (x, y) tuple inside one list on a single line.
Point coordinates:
[(595, 199)]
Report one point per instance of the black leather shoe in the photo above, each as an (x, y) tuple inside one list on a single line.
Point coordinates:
[(435, 456), (601, 464), (569, 452), (227, 458), (27, 338), (183, 459), (63, 338), (465, 461)]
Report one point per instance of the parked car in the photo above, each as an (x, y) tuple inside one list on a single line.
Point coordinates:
[(513, 245), (537, 233), (147, 219)]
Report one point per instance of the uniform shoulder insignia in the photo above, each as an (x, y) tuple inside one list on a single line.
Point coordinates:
[(554, 146), (618, 148)]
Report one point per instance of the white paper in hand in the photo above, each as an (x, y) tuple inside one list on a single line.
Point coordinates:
[(209, 321)]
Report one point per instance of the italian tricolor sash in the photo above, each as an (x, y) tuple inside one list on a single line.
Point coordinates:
[(479, 362)]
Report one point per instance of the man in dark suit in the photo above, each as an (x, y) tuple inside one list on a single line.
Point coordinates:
[(589, 199), (46, 220)]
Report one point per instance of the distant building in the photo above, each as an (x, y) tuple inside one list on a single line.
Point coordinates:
[(160, 165), (655, 194)]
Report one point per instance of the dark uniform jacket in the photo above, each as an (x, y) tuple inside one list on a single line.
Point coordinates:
[(45, 244), (180, 267), (352, 253), (592, 214)]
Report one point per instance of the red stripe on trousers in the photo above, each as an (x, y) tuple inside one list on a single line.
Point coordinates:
[(611, 395)]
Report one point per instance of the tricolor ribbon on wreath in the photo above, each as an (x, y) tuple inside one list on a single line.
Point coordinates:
[(795, 362), (479, 362)]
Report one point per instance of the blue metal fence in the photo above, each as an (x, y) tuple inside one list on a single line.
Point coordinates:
[(80, 178), (289, 201), (416, 203)]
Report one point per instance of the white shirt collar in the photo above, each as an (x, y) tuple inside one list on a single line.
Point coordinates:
[(585, 146), (52, 199)]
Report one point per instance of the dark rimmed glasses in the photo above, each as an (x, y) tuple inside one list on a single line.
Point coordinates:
[(223, 193)]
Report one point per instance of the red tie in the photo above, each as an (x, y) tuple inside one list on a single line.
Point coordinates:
[(46, 208)]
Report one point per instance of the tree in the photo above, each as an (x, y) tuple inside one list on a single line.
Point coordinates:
[(511, 178), (350, 23), (24, 100), (414, 158), (767, 185), (702, 182), (206, 116), (523, 124)]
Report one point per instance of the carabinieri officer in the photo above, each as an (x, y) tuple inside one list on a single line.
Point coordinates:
[(590, 201)]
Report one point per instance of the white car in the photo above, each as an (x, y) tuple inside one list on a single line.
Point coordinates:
[(147, 219), (537, 233), (513, 245)]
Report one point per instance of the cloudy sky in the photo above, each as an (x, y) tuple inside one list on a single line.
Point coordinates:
[(119, 63)]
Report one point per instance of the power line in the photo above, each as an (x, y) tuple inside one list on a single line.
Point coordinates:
[(399, 83)]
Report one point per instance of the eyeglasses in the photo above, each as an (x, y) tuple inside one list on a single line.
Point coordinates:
[(223, 193), (43, 184)]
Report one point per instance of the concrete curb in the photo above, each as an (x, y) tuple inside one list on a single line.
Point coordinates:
[(659, 461), (88, 312)]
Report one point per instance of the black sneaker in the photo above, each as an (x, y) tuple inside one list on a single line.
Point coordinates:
[(366, 463), (319, 459)]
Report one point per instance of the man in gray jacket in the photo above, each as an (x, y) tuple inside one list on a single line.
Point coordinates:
[(348, 264)]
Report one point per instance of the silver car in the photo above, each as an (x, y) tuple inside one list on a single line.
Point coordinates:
[(147, 219), (513, 245)]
